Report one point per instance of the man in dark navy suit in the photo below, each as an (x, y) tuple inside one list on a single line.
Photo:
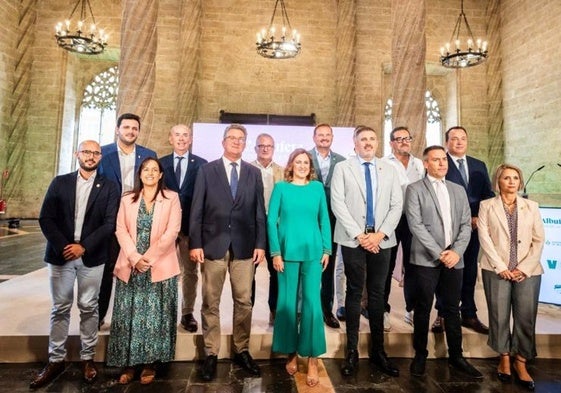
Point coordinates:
[(119, 163), (180, 172), (471, 174), (77, 218), (227, 232)]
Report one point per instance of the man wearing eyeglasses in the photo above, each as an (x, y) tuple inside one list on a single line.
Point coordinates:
[(227, 233), (409, 169), (271, 173), (77, 218), (119, 163)]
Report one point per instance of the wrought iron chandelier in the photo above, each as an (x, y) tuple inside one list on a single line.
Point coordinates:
[(90, 42), (473, 53), (285, 46)]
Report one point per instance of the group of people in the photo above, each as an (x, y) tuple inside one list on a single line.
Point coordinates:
[(229, 215)]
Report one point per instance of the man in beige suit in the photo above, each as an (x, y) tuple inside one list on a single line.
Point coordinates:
[(271, 173)]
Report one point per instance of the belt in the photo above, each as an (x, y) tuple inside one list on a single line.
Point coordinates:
[(368, 229)]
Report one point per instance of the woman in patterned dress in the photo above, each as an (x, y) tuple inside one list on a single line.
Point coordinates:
[(143, 327), (511, 234)]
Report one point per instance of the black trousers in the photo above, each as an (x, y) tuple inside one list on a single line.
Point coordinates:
[(107, 280), (328, 275), (448, 283), (362, 267)]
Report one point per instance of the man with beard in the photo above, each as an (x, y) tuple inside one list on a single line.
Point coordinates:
[(77, 218), (119, 163)]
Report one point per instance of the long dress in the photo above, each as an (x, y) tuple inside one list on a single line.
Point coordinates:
[(143, 326), (299, 230)]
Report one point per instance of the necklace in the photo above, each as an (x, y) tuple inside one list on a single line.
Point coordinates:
[(507, 203)]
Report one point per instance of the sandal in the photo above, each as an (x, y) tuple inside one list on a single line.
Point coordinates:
[(127, 375), (147, 375), (291, 364), (312, 379)]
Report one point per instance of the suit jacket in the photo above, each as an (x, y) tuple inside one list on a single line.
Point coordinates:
[(479, 187), (335, 158), (278, 175), (166, 223), (427, 226), (109, 165), (348, 202), (186, 190), (218, 221), (494, 236), (57, 219)]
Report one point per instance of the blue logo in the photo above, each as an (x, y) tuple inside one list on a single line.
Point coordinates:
[(552, 264)]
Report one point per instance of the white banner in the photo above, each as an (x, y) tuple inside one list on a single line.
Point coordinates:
[(551, 257)]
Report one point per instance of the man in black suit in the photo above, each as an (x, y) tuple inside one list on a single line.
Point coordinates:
[(471, 174), (119, 163), (228, 234), (180, 172), (77, 218)]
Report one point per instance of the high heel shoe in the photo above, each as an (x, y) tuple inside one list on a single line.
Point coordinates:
[(530, 385), (291, 364), (504, 377), (312, 379)]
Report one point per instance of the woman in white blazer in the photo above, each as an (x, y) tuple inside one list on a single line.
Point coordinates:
[(511, 234)]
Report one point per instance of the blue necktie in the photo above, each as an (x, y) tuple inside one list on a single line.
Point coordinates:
[(234, 179), (462, 169), (178, 171), (369, 196)]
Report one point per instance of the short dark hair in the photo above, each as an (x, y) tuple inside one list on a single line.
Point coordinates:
[(322, 125), (128, 116), (431, 148), (446, 134), (235, 126), (360, 129), (396, 129)]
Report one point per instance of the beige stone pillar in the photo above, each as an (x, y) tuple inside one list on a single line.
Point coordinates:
[(408, 68), (345, 83), (137, 65)]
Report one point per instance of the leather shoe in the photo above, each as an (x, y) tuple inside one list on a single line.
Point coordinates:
[(461, 364), (475, 325), (90, 371), (47, 374), (331, 321), (438, 325), (417, 367), (350, 364), (341, 314), (245, 361), (189, 323), (381, 360), (208, 371)]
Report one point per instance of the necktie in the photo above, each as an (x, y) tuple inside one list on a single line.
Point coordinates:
[(444, 202), (178, 171), (234, 179), (462, 169), (369, 196)]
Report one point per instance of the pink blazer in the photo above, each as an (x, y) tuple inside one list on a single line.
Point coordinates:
[(161, 254), (492, 228)]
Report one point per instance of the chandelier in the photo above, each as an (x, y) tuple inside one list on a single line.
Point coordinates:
[(473, 53), (274, 47), (90, 42)]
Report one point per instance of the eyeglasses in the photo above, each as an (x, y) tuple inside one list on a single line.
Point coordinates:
[(403, 139), (236, 139), (264, 147), (90, 153)]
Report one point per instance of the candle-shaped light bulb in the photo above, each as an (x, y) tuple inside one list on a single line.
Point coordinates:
[(298, 38), (92, 28), (80, 24), (272, 31), (67, 23), (283, 31), (457, 44), (442, 51), (484, 46), (447, 47), (479, 43), (58, 27), (470, 43)]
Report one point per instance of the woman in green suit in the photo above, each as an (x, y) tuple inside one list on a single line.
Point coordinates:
[(300, 243)]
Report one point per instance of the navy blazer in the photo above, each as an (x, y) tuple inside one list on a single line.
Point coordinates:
[(218, 221), (109, 165), (57, 219), (479, 187), (186, 190)]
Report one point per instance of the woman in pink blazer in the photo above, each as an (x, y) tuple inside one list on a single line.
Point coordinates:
[(143, 327), (511, 234)]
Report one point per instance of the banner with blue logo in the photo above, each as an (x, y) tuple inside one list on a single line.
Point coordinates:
[(551, 257)]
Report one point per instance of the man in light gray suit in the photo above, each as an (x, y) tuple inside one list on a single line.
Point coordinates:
[(367, 199), (440, 221), (324, 160)]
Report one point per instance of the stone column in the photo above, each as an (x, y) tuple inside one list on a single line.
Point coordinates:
[(137, 65), (345, 84), (408, 69)]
